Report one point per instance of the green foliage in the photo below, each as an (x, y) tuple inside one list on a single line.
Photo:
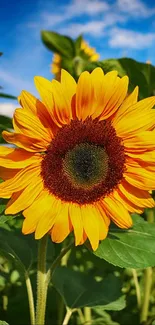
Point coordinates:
[(5, 124), (57, 43), (134, 248), (79, 290), (3, 95)]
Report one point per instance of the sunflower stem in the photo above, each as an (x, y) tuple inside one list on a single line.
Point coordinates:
[(87, 315), (137, 287), (43, 278), (30, 299), (68, 315)]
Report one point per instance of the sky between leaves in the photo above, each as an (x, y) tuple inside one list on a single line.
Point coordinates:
[(115, 27)]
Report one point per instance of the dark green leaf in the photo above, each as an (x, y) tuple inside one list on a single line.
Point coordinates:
[(5, 123), (134, 248), (78, 290), (2, 206), (7, 96), (57, 43), (14, 246)]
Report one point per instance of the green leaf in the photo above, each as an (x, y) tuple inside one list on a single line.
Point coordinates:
[(13, 246), (5, 123), (104, 319), (2, 206), (133, 248), (7, 96), (57, 43), (2, 322), (140, 74), (79, 290)]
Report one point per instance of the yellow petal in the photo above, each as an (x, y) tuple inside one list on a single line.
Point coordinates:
[(21, 180), (34, 106), (138, 119), (117, 212), (76, 220), (116, 99), (23, 199), (84, 96), (25, 142), (28, 124), (140, 142), (35, 212), (62, 226), (51, 209), (139, 197), (127, 105), (138, 176), (68, 85), (16, 158), (91, 224)]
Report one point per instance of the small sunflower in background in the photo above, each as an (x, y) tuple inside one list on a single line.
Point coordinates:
[(88, 52), (85, 156)]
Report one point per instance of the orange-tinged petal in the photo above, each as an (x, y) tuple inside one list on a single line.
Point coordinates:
[(47, 220), (140, 118), (34, 213), (117, 212), (62, 106), (26, 123), (16, 158), (62, 226), (139, 197), (76, 220), (91, 224), (25, 142), (140, 142), (53, 97), (140, 177), (116, 99), (45, 90), (128, 205), (6, 173), (127, 105), (84, 96), (21, 180), (36, 107), (23, 199)]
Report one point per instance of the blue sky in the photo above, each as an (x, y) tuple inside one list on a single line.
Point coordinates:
[(116, 28)]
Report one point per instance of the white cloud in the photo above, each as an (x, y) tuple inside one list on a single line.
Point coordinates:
[(7, 109), (89, 7), (135, 8), (95, 28), (124, 38), (74, 9)]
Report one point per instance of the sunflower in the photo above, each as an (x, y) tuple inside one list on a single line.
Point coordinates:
[(84, 156), (90, 53)]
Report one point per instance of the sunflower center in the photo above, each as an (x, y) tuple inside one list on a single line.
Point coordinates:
[(84, 162), (86, 165)]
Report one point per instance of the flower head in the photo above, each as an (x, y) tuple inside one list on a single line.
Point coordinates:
[(88, 51), (85, 156)]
